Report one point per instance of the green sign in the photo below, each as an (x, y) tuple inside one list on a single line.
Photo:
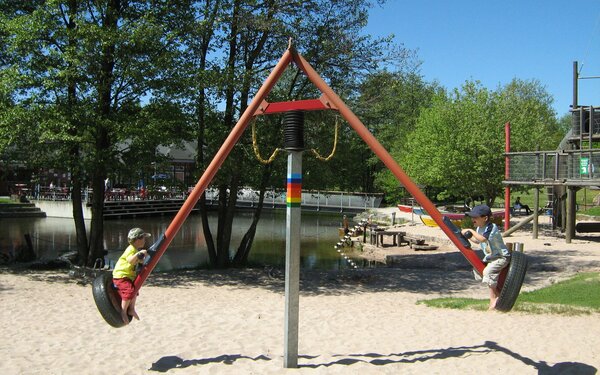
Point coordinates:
[(584, 165)]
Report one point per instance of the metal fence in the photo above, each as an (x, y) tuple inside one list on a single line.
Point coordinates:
[(316, 199), (246, 197), (580, 167), (582, 118)]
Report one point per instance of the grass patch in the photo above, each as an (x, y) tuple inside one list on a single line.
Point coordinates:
[(456, 303), (6, 200), (575, 296), (594, 211)]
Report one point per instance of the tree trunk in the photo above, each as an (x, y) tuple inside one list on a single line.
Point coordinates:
[(222, 256), (207, 35), (227, 203), (102, 145), (97, 224), (243, 251), (74, 152), (210, 244), (80, 231)]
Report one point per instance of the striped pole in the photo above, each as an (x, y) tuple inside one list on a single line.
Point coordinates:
[(292, 259)]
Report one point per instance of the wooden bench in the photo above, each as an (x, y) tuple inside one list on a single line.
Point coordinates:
[(377, 237)]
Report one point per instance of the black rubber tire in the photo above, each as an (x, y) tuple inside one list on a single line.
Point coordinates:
[(108, 300), (514, 280), (587, 227)]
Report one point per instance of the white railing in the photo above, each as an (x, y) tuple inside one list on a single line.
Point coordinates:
[(314, 199)]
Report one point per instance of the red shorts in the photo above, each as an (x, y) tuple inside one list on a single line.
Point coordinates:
[(125, 288)]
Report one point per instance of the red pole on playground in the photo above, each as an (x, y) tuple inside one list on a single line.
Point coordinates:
[(213, 167), (507, 177)]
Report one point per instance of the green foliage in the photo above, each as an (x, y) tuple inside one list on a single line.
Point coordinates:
[(584, 199), (467, 222), (75, 79), (577, 295), (594, 211), (565, 123), (457, 147), (389, 105), (56, 81)]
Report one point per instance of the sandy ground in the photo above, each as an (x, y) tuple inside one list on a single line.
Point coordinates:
[(365, 321)]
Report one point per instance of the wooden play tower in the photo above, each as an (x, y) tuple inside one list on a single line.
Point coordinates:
[(574, 165)]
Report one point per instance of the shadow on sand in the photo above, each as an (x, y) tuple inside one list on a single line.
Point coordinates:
[(542, 367), (168, 363), (165, 364)]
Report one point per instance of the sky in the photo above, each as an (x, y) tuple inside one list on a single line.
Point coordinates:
[(494, 41)]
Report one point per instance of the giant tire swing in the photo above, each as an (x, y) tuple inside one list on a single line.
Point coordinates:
[(108, 300), (106, 297), (511, 277)]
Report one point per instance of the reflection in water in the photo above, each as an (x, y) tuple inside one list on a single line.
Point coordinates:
[(54, 236)]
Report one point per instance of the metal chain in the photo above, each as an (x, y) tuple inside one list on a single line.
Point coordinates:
[(255, 147), (335, 138), (276, 151)]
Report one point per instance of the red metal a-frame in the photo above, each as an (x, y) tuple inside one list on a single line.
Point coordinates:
[(328, 101)]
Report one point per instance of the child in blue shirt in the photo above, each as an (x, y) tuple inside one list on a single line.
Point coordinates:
[(496, 254)]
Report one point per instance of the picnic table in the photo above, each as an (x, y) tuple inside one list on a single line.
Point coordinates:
[(378, 236)]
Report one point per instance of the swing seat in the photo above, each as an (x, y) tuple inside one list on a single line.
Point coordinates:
[(108, 300), (515, 274)]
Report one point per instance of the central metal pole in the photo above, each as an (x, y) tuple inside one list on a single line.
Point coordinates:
[(292, 258)]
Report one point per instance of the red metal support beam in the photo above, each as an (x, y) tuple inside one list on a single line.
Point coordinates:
[(267, 108), (329, 100), (214, 166), (386, 158), (507, 177)]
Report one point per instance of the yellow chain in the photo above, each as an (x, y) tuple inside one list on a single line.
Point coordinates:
[(335, 138), (276, 151), (255, 147)]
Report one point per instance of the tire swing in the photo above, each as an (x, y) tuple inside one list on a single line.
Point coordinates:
[(511, 278), (108, 300), (512, 284)]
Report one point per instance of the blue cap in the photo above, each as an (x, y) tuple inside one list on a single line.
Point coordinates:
[(481, 210)]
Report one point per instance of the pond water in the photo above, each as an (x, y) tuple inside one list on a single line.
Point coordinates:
[(52, 237)]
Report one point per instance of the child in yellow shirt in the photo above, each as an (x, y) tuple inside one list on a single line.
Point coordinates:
[(124, 273)]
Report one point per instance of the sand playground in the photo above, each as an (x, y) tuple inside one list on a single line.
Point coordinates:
[(364, 321)]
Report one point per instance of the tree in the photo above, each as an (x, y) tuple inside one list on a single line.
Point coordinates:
[(83, 73), (528, 107), (457, 147), (79, 73), (235, 55), (390, 104)]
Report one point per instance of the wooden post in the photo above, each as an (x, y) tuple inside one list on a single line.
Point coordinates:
[(570, 227), (536, 209)]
